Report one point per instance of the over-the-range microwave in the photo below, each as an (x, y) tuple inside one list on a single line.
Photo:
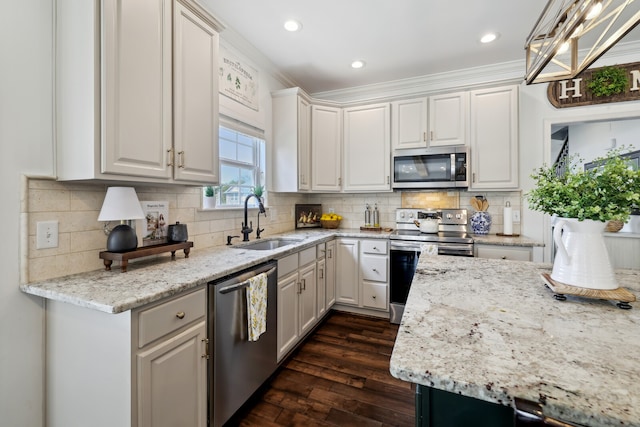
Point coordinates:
[(438, 167)]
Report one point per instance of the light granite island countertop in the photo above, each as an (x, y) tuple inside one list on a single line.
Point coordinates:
[(491, 330)]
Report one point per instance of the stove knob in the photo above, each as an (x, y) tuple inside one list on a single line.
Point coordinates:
[(411, 215), (401, 214), (449, 216), (458, 216)]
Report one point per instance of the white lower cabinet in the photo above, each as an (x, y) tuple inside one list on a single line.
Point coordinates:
[(146, 367), (297, 298), (362, 273)]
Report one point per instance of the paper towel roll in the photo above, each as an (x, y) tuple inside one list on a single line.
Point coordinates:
[(508, 219)]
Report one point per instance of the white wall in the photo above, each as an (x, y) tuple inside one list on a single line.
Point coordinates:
[(26, 147), (592, 140)]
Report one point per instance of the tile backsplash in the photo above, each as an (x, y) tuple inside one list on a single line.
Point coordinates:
[(81, 237)]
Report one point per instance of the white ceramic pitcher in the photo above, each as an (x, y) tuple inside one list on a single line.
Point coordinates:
[(582, 259)]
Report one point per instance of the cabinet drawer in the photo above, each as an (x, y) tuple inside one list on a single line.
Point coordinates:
[(287, 264), (374, 295), (513, 253), (321, 250), (374, 267), (163, 319), (377, 246), (306, 256)]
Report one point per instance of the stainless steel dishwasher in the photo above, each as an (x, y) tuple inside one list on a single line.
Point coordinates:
[(238, 366)]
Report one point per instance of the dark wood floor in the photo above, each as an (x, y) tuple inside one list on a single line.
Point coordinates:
[(338, 377)]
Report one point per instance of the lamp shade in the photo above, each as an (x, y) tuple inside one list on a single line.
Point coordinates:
[(120, 203)]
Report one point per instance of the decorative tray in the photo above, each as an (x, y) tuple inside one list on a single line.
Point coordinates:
[(562, 290), (124, 257)]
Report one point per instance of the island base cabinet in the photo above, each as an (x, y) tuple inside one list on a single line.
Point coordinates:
[(437, 408)]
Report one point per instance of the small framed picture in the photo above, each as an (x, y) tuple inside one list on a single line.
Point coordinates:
[(308, 216)]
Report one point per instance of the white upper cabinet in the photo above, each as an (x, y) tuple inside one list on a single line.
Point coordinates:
[(494, 138), (326, 147), (439, 120), (195, 90), (367, 148), (409, 123), (134, 83), (291, 141), (136, 88), (448, 115)]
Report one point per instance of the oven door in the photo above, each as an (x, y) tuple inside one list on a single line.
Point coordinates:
[(403, 262)]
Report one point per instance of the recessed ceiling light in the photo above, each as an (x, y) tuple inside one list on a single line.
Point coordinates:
[(357, 64), (489, 37), (292, 25)]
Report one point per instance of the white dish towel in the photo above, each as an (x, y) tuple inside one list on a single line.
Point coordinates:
[(429, 249), (256, 306)]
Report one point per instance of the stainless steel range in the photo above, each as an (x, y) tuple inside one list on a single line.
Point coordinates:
[(407, 242)]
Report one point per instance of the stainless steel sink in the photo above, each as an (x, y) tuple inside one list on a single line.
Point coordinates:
[(267, 245)]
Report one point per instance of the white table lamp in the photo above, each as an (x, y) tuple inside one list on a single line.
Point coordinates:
[(121, 204)]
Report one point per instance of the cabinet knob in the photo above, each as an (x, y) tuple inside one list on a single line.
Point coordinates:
[(180, 315), (504, 257), (374, 270), (373, 296)]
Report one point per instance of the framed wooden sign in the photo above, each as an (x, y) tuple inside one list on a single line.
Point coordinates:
[(576, 92)]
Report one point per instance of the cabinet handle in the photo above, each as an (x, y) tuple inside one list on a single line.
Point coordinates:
[(180, 315), (205, 341), (424, 136), (339, 181), (304, 284), (170, 157), (321, 271), (431, 135), (299, 287), (387, 179), (330, 253), (473, 177), (181, 155)]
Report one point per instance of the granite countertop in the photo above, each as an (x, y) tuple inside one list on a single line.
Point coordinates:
[(157, 278), (491, 330), (493, 239)]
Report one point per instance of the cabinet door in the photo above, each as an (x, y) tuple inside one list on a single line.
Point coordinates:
[(448, 119), (288, 329), (304, 144), (409, 123), (195, 60), (347, 271), (172, 381), (494, 138), (321, 288), (326, 146), (136, 88), (367, 148), (308, 298), (330, 276)]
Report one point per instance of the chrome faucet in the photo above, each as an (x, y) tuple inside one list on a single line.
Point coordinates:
[(247, 227)]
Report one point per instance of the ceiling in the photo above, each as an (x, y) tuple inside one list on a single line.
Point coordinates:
[(397, 39)]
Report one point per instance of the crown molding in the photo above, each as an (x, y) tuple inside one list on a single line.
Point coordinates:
[(503, 73)]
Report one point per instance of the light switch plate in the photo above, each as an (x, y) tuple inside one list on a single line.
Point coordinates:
[(46, 234)]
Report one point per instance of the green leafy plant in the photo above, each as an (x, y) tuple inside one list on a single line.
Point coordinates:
[(608, 81), (208, 191), (607, 192), (258, 190)]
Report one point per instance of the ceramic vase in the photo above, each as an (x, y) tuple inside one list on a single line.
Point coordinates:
[(582, 259), (208, 202), (480, 222)]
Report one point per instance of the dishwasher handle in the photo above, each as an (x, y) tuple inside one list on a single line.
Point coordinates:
[(243, 283)]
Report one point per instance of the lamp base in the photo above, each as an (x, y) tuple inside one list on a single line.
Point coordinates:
[(122, 239)]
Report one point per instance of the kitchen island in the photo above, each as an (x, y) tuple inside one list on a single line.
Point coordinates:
[(491, 330)]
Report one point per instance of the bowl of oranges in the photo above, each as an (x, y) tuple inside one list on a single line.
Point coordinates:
[(330, 220)]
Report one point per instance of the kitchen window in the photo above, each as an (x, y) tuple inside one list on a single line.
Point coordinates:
[(242, 166)]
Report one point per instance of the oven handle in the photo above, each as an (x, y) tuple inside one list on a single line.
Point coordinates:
[(397, 245)]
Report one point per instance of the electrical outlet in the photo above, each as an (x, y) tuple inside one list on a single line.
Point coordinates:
[(331, 210), (46, 234), (516, 216)]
